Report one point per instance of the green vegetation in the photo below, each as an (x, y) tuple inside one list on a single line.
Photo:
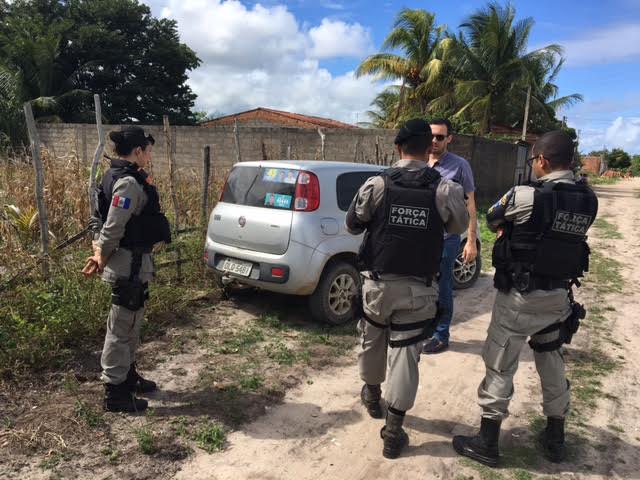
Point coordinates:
[(479, 77), (112, 453), (598, 180), (606, 229), (88, 414), (210, 437), (57, 54), (146, 440), (488, 238), (45, 323)]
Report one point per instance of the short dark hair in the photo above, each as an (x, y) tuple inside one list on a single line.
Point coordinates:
[(128, 138), (557, 147), (416, 145), (443, 121)]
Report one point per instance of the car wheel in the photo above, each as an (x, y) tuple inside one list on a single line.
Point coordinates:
[(466, 274), (333, 300)]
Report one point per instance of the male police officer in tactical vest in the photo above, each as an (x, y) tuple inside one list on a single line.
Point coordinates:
[(540, 252), (132, 223), (404, 211)]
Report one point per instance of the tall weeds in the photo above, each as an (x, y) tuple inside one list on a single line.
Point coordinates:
[(44, 324)]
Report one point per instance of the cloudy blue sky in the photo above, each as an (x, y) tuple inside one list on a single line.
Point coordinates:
[(299, 55)]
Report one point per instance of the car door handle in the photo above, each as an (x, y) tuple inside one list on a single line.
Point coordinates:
[(329, 226)]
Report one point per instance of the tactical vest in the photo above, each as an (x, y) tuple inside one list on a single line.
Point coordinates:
[(550, 247), (146, 229), (405, 236)]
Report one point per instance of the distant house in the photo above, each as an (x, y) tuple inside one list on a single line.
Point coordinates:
[(515, 133), (267, 117), (594, 164)]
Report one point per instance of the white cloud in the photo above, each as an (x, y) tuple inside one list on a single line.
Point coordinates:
[(339, 39), (623, 132), (333, 5), (612, 44), (262, 56)]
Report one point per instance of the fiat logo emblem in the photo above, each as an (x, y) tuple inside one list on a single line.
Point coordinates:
[(242, 221)]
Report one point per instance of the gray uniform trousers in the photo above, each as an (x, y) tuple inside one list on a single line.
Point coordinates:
[(123, 325), (399, 300), (515, 317)]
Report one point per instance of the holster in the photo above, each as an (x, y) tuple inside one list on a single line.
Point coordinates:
[(130, 294), (567, 329), (572, 323)]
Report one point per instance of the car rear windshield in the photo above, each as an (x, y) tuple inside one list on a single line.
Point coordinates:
[(261, 187), (347, 186)]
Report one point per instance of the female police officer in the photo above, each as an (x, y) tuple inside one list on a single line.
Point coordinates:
[(131, 224)]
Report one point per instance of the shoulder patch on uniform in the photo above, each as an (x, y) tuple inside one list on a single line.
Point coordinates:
[(121, 202)]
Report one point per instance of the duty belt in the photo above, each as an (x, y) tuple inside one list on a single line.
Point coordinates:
[(547, 283), (425, 325)]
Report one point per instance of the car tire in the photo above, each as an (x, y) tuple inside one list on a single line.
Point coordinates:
[(333, 300), (464, 276)]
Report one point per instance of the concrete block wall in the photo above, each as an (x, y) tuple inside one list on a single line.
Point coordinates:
[(493, 162)]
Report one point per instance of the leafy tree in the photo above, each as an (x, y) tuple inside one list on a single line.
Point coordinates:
[(618, 158), (635, 166), (134, 61), (386, 108), (57, 53), (493, 49), (415, 34)]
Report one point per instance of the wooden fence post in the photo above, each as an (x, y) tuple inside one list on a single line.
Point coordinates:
[(172, 166), (236, 135), (206, 169), (93, 197), (42, 208), (322, 139)]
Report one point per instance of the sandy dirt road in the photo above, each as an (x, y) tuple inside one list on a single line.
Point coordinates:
[(322, 431)]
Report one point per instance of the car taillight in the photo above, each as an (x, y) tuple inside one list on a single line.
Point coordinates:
[(277, 272), (307, 193)]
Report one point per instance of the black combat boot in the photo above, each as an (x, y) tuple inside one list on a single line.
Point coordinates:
[(394, 436), (370, 396), (138, 384), (482, 447), (119, 398), (553, 440)]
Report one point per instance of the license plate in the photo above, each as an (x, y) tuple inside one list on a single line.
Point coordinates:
[(238, 267)]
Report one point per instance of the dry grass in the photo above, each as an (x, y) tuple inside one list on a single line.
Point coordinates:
[(67, 203)]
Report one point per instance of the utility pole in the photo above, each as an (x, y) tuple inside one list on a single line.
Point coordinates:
[(526, 114)]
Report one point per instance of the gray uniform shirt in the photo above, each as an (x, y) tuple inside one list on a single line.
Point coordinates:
[(128, 199), (449, 201), (518, 202)]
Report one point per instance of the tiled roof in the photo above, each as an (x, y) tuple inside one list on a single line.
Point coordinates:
[(280, 117)]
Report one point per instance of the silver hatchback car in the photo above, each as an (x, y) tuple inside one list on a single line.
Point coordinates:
[(279, 226)]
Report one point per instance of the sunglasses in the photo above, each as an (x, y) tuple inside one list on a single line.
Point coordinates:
[(530, 160), (439, 138)]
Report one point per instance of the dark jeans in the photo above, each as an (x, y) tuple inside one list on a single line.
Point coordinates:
[(449, 253)]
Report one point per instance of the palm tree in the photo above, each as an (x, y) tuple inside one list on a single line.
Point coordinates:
[(537, 84), (544, 95), (31, 52), (12, 127), (415, 34), (386, 105), (492, 49)]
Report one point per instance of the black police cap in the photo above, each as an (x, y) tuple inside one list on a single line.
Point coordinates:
[(412, 128)]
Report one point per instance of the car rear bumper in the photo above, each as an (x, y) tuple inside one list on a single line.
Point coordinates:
[(300, 265)]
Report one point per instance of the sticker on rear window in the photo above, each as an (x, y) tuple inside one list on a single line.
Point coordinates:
[(280, 175), (277, 200)]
